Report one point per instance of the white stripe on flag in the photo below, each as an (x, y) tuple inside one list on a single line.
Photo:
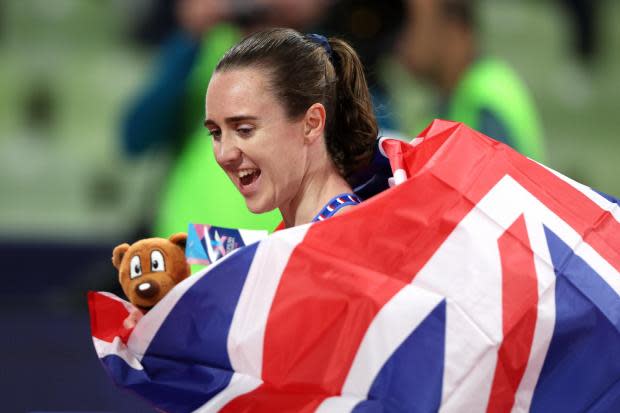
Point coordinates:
[(239, 384), (566, 233), (251, 236), (472, 284), (247, 330), (147, 327), (340, 404), (390, 327), (468, 374), (545, 318), (546, 312), (116, 348)]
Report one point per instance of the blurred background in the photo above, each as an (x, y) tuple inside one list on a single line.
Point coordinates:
[(101, 107)]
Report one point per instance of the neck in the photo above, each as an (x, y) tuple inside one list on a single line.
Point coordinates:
[(315, 191)]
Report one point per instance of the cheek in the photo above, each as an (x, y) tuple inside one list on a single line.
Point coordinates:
[(125, 282), (166, 282), (288, 173), (288, 154)]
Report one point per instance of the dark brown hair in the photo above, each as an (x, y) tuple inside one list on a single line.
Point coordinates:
[(303, 72)]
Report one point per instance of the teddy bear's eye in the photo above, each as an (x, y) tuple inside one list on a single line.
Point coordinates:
[(135, 268), (157, 261)]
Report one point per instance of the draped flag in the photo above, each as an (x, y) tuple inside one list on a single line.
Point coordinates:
[(482, 281)]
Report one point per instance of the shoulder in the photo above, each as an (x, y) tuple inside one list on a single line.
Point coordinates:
[(493, 99), (491, 82)]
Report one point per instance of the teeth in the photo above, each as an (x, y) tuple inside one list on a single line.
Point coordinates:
[(245, 172)]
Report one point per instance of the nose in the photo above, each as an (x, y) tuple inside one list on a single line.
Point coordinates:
[(147, 289), (227, 152)]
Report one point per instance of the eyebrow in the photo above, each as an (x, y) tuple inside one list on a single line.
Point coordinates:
[(232, 119)]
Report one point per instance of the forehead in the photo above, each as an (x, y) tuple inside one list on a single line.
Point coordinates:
[(239, 91)]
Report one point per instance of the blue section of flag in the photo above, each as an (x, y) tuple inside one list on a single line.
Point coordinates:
[(582, 367), (370, 406), (608, 402), (183, 392), (136, 380), (200, 319), (411, 379)]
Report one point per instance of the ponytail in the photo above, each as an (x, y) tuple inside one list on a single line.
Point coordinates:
[(354, 131)]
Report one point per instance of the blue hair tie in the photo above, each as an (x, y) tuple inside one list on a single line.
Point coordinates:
[(323, 42)]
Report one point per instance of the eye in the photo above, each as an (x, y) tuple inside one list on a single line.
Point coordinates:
[(157, 262), (135, 268), (245, 131), (216, 134)]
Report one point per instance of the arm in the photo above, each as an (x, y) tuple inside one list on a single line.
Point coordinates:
[(153, 117)]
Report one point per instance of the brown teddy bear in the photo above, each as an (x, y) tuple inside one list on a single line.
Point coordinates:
[(149, 268)]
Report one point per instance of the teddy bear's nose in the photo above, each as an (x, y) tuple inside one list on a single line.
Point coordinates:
[(147, 289)]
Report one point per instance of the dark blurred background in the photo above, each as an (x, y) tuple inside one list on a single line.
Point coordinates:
[(95, 105)]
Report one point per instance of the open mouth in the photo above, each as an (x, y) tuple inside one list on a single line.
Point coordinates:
[(248, 176)]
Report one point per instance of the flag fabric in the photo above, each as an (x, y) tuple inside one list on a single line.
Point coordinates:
[(482, 281)]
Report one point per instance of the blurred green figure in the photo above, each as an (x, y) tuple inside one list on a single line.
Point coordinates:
[(172, 111), (197, 190), (439, 45), (169, 112)]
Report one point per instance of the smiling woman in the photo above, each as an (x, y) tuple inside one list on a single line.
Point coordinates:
[(291, 120)]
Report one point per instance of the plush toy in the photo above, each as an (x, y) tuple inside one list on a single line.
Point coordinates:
[(149, 268)]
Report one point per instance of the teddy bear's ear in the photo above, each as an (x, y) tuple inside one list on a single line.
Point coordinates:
[(180, 239), (117, 254)]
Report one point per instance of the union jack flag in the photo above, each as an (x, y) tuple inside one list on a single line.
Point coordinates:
[(483, 282)]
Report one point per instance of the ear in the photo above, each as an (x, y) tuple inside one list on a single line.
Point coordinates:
[(180, 239), (118, 253), (314, 123)]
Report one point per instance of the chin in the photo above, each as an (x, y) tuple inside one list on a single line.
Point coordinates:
[(258, 207)]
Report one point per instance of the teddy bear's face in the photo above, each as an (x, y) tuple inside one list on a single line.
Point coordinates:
[(149, 268)]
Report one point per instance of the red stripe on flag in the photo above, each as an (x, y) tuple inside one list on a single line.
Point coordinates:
[(268, 399), (371, 253), (315, 335), (345, 270), (106, 317), (519, 313), (471, 163)]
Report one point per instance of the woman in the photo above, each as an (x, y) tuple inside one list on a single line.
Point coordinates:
[(291, 120)]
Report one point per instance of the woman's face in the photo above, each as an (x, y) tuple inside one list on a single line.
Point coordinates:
[(260, 149)]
